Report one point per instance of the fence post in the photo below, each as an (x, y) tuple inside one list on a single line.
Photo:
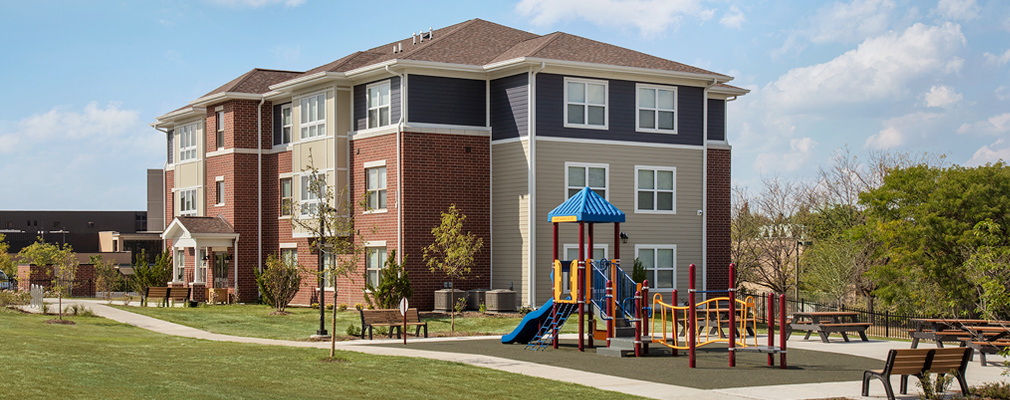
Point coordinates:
[(887, 323)]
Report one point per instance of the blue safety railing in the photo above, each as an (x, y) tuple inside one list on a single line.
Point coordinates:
[(624, 291)]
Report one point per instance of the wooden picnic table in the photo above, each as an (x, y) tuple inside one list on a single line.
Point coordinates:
[(827, 322), (940, 330)]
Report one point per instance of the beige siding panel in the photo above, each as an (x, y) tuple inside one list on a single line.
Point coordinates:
[(682, 229), (510, 217)]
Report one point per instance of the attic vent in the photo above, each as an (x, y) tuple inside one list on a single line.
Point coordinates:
[(419, 38)]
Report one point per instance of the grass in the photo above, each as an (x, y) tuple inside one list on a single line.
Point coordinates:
[(256, 321), (98, 358)]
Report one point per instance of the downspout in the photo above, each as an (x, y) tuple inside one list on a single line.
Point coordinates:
[(259, 188), (399, 166), (532, 182), (704, 186)]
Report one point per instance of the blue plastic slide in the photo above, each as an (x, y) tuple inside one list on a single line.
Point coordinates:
[(530, 324)]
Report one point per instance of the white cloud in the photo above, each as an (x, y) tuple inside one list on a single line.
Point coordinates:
[(958, 9), (902, 130), (733, 18), (998, 150), (847, 22), (257, 3), (999, 60), (887, 138), (1002, 93), (799, 153), (879, 69), (942, 96), (995, 125), (91, 124), (650, 17)]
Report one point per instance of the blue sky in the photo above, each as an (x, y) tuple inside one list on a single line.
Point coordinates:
[(84, 79)]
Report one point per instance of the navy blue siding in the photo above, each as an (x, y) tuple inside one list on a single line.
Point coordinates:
[(361, 107), (453, 101), (509, 107), (716, 119), (621, 109)]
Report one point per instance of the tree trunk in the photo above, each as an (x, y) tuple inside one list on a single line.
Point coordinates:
[(452, 306), (333, 325)]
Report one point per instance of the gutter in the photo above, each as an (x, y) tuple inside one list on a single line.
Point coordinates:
[(399, 165), (532, 182)]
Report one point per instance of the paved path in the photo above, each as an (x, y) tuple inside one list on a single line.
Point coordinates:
[(874, 349)]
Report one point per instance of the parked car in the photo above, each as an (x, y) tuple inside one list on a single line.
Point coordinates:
[(7, 282)]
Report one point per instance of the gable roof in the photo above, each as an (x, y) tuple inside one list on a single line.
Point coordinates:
[(586, 206), (257, 81)]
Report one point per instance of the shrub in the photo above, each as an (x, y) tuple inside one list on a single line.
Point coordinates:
[(353, 330), (78, 310), (992, 390), (393, 284), (342, 307), (934, 388), (638, 271), (315, 306), (359, 306), (279, 282), (147, 275), (14, 298), (329, 306), (482, 308)]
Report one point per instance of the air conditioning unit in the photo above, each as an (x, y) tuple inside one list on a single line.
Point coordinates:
[(501, 300)]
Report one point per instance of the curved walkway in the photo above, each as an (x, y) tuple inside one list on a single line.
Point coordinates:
[(874, 349)]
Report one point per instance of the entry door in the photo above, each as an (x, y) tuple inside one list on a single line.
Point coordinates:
[(220, 271)]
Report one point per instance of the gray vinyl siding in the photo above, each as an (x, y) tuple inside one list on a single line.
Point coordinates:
[(361, 105), (621, 110), (510, 217), (682, 229), (510, 107), (453, 101), (716, 119), (171, 145)]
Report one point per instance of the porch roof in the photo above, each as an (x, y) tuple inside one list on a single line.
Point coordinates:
[(200, 232)]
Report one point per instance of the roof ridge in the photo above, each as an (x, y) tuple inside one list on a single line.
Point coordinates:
[(276, 70), (459, 27), (554, 36)]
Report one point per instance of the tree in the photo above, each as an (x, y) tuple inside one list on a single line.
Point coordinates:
[(147, 275), (452, 251), (988, 267), (830, 267), (764, 230), (107, 276), (279, 282), (394, 284), (59, 262), (6, 261)]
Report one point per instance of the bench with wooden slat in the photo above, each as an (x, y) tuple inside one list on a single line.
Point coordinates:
[(391, 319), (916, 362), (159, 293)]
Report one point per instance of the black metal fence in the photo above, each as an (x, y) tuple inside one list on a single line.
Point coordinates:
[(77, 287)]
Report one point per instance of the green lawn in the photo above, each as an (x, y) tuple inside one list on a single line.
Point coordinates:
[(99, 358), (256, 321)]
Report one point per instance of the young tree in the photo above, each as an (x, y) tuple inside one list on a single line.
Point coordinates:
[(393, 284), (59, 262), (279, 282), (107, 276), (452, 251), (147, 275), (6, 261)]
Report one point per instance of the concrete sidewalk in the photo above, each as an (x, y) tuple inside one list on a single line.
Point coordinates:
[(876, 349)]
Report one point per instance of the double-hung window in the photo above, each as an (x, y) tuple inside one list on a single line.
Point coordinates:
[(201, 270), (378, 105), (585, 103), (219, 192), (286, 196), (187, 202), (656, 189), (657, 108), (187, 142), (313, 113), (579, 175), (373, 264), (179, 272), (290, 256), (219, 121), (312, 186), (375, 181), (285, 124), (660, 263)]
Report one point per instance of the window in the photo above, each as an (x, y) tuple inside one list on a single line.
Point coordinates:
[(285, 124), (373, 263), (187, 202), (582, 175), (657, 109), (656, 189), (378, 105), (313, 111), (375, 181), (572, 251), (219, 191), (179, 273), (329, 263), (201, 269), (290, 256), (219, 119), (312, 186), (660, 264), (585, 103), (286, 196), (187, 142)]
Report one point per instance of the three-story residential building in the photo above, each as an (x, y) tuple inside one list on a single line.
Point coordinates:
[(505, 124)]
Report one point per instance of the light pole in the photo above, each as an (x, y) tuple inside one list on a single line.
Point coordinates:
[(798, 244)]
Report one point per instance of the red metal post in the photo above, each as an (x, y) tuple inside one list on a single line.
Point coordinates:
[(692, 318), (581, 287), (673, 325), (732, 315), (589, 291), (782, 330), (770, 305), (638, 323)]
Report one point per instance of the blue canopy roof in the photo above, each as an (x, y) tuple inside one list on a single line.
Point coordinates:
[(586, 206)]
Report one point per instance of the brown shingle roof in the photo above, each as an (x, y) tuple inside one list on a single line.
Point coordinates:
[(206, 225), (257, 81)]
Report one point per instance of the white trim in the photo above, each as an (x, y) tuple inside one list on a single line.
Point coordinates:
[(373, 164), (219, 191), (586, 104), (369, 133), (621, 143), (652, 279), (656, 109), (606, 168), (196, 201), (194, 130), (719, 144), (319, 122), (288, 245), (656, 190), (375, 243), (291, 127), (510, 140)]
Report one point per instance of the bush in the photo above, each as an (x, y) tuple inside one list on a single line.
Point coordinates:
[(638, 271), (147, 275), (353, 330), (315, 306), (14, 298), (279, 282), (329, 306), (342, 307), (393, 285), (992, 390), (78, 310)]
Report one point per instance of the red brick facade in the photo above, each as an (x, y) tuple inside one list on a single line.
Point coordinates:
[(718, 218)]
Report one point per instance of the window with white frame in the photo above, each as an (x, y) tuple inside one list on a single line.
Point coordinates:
[(378, 104), (585, 103), (201, 270), (179, 273), (660, 263), (375, 183), (578, 176), (285, 124), (286, 196), (374, 262), (187, 202), (572, 251), (657, 108), (187, 142), (219, 192), (313, 113), (656, 189), (290, 256), (312, 186), (219, 121)]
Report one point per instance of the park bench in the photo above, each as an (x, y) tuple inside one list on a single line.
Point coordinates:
[(164, 294), (916, 362), (391, 319), (986, 347)]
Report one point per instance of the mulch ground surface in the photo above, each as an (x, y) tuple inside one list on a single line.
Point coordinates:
[(712, 371)]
